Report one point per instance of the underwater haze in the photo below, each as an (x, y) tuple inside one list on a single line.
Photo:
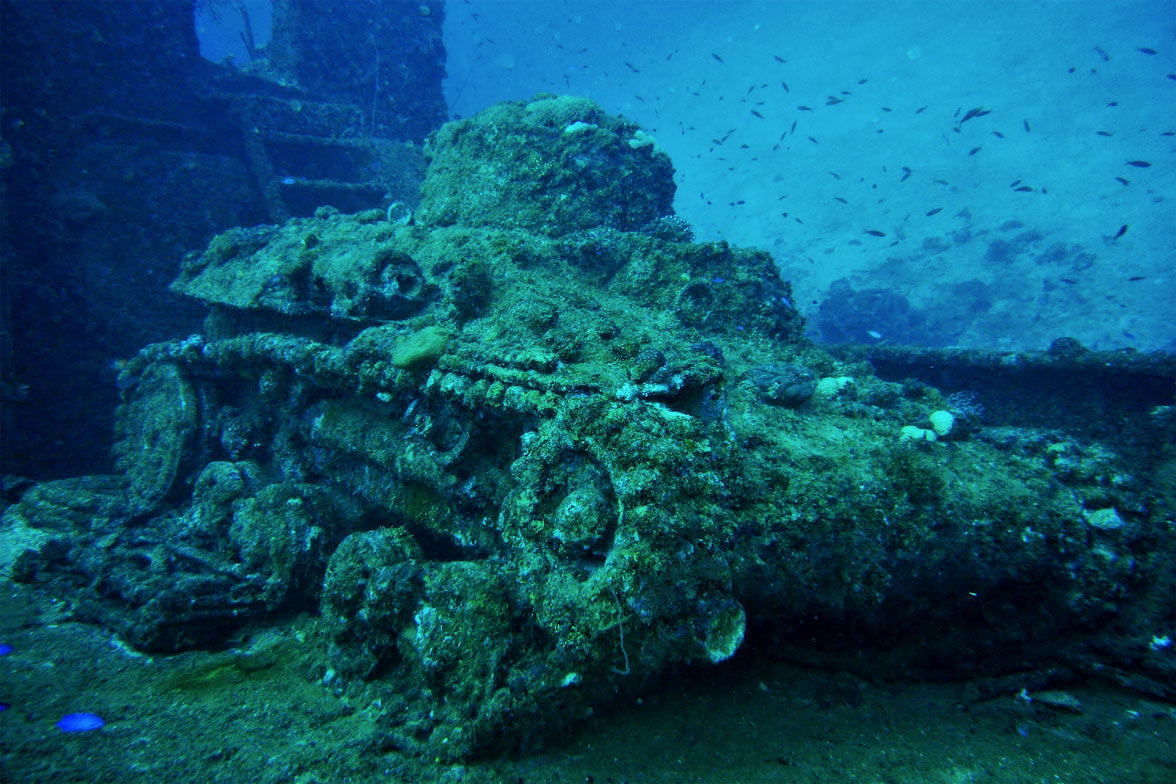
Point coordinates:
[(1006, 167), (629, 392)]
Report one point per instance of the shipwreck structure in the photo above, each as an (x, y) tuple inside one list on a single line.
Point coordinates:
[(121, 149)]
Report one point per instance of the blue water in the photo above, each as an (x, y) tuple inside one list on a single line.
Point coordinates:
[(1072, 92)]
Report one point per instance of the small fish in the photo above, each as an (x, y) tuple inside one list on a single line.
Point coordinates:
[(1123, 180), (1103, 133), (784, 84), (906, 173), (1024, 188), (875, 233), (814, 141), (804, 108), (838, 198), (1145, 50), (757, 114), (632, 67), (835, 175), (935, 211), (793, 127), (832, 100), (1014, 183), (920, 110), (1121, 232), (778, 58), (875, 334), (1071, 281), (979, 111), (1106, 57), (1113, 103), (720, 59), (998, 134), (1026, 124), (974, 150), (1139, 164), (1134, 278), (80, 722)]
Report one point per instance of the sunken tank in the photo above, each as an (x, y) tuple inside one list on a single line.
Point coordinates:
[(535, 447)]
